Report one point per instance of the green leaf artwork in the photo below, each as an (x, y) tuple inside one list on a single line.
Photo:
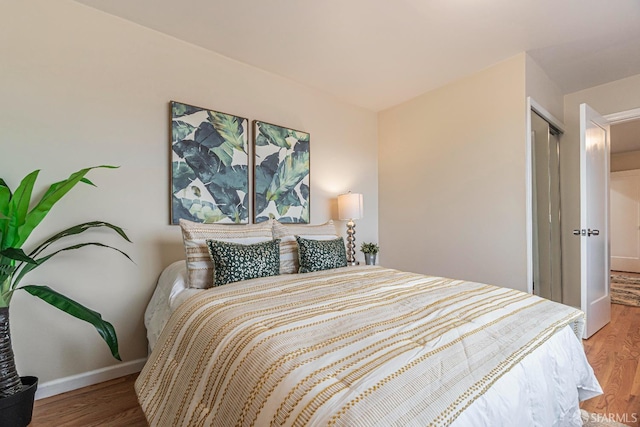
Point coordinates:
[(281, 173), (209, 166)]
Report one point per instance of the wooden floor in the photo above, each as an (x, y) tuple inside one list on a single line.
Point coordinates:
[(112, 403), (613, 352)]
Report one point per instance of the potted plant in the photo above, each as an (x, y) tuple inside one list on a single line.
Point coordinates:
[(19, 216), (370, 251)]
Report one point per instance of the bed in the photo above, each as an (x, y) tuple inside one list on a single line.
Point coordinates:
[(360, 346)]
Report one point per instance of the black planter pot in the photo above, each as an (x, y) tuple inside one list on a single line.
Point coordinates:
[(16, 410)]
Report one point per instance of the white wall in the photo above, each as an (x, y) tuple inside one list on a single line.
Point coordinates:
[(543, 90), (79, 88), (620, 95), (452, 179)]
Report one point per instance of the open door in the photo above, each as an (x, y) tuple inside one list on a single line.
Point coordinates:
[(594, 219)]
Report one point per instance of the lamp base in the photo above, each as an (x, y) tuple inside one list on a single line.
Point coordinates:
[(351, 243), (352, 263)]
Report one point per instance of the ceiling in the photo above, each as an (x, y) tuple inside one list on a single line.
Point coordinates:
[(378, 53)]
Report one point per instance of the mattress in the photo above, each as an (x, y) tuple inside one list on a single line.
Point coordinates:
[(365, 346)]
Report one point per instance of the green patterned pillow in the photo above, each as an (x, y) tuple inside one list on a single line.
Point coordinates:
[(235, 262), (316, 255)]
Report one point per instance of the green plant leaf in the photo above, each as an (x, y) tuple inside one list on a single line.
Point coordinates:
[(369, 248), (180, 130), (181, 176), (230, 128), (7, 269), (233, 177), (208, 137), (5, 197), (261, 141), (304, 217), (26, 268), (77, 229), (282, 209), (290, 198), (293, 169), (17, 212), (276, 135), (224, 153), (228, 201), (301, 136), (18, 255), (178, 109), (201, 163), (51, 197), (265, 172), (75, 309), (180, 211), (304, 191), (260, 205), (302, 145)]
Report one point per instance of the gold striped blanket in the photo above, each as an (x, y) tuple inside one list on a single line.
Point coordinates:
[(346, 347)]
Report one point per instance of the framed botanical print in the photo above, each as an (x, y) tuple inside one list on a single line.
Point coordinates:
[(209, 166), (281, 176)]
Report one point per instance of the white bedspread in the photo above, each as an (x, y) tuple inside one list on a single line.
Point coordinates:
[(542, 390), (170, 292), (533, 375)]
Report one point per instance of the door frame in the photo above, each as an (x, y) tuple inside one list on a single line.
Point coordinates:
[(623, 116), (533, 106)]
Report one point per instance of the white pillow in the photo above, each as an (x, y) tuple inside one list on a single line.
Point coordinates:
[(288, 245), (195, 236)]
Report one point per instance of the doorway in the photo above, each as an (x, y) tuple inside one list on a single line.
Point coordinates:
[(625, 212), (625, 196), (546, 209)]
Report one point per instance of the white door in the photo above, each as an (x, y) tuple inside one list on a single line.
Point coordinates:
[(594, 219), (625, 220)]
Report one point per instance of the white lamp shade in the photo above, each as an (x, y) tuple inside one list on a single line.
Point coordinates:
[(350, 206)]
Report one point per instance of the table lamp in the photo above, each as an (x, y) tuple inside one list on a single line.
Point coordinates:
[(350, 208)]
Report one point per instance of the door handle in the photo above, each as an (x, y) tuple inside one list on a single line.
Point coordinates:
[(589, 232)]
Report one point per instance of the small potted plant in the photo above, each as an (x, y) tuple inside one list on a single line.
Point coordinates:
[(19, 216), (370, 251)]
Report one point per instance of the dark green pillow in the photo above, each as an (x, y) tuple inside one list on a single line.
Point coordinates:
[(233, 262), (316, 255)]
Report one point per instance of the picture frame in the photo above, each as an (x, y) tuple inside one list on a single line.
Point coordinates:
[(282, 187), (209, 165)]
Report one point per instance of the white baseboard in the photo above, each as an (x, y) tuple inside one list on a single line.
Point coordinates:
[(73, 382)]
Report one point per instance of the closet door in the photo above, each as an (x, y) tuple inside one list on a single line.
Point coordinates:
[(547, 245), (625, 220)]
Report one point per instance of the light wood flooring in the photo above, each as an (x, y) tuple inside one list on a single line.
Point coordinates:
[(613, 352), (111, 403)]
